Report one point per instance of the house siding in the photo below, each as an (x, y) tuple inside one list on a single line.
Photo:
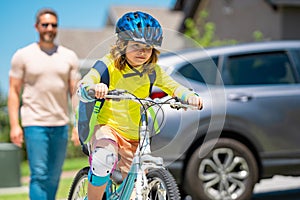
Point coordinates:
[(238, 19)]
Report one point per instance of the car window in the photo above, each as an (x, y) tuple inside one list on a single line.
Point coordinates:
[(264, 68), (297, 61), (202, 70)]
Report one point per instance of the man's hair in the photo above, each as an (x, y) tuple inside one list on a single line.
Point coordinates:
[(45, 11)]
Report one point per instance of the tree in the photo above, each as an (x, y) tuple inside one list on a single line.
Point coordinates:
[(203, 32), (4, 121)]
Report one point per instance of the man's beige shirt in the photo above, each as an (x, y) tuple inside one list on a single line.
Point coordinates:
[(45, 84)]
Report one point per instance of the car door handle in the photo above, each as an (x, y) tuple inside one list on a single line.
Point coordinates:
[(240, 97)]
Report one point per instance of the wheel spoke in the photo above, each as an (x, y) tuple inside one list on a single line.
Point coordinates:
[(79, 185), (161, 185), (223, 174), (205, 174), (223, 157)]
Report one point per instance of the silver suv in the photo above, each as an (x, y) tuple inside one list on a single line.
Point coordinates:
[(249, 128)]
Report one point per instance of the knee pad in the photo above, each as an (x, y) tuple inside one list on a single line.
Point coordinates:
[(102, 163)]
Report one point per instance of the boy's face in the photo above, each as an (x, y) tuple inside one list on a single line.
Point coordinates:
[(138, 53)]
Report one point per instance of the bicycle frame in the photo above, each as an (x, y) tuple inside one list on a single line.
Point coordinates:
[(136, 177), (140, 176)]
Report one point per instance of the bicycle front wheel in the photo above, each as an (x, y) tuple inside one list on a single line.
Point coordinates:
[(79, 186), (162, 185)]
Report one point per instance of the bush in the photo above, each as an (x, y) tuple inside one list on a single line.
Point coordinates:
[(73, 151), (203, 32), (4, 121)]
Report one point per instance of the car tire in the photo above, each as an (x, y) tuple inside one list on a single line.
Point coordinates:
[(227, 171)]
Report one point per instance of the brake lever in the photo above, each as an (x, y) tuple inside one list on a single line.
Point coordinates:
[(91, 93), (116, 92), (175, 104), (182, 104)]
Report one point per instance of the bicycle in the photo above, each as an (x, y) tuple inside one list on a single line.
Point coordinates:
[(147, 174)]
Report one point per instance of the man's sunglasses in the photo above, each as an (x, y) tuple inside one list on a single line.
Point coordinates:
[(45, 25)]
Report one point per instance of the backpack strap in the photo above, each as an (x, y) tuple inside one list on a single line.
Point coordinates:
[(152, 78), (88, 111), (102, 69)]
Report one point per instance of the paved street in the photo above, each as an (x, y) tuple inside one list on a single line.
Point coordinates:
[(278, 183), (277, 188)]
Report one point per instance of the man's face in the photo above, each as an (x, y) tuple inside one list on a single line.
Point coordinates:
[(47, 28)]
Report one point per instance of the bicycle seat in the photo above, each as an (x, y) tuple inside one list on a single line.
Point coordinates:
[(116, 177), (151, 159)]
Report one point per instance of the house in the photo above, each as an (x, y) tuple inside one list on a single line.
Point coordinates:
[(234, 19), (239, 19)]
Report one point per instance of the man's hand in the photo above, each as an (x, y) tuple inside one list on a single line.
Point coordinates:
[(75, 137), (16, 136)]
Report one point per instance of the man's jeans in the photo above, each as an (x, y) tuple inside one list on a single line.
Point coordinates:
[(46, 150)]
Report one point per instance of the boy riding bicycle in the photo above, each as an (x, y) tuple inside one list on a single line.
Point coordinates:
[(129, 64)]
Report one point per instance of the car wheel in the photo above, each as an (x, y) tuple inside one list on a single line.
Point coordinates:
[(227, 171)]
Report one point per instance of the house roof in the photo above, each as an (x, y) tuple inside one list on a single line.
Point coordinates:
[(92, 44), (167, 18), (284, 2), (85, 41)]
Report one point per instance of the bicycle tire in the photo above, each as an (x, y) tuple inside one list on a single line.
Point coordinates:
[(162, 185), (79, 185)]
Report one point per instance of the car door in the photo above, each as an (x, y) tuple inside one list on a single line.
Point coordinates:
[(263, 98)]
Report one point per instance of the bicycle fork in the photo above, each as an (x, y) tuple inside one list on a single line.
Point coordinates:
[(143, 161)]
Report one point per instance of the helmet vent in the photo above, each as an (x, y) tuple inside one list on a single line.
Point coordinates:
[(140, 27)]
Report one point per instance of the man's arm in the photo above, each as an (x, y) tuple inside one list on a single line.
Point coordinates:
[(16, 132), (74, 101)]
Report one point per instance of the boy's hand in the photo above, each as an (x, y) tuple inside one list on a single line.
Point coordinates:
[(195, 101), (100, 90)]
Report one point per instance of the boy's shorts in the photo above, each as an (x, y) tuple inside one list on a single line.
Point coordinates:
[(125, 148)]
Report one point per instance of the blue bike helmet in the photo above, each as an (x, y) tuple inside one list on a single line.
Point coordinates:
[(140, 27)]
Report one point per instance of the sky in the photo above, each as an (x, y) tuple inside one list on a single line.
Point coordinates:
[(17, 18)]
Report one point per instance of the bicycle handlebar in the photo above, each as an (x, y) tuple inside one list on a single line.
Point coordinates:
[(119, 94)]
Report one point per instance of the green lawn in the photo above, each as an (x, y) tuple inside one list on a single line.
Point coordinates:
[(62, 192), (69, 165), (65, 183)]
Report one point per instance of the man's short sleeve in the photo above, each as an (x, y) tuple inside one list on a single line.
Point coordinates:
[(17, 66)]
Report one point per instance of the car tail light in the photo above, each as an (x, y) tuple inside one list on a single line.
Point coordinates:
[(157, 94)]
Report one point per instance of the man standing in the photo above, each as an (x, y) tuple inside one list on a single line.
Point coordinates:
[(45, 73)]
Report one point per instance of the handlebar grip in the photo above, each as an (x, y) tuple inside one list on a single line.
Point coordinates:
[(181, 101), (91, 93), (184, 104)]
